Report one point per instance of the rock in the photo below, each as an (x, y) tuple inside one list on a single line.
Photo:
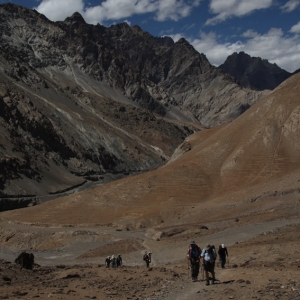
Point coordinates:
[(26, 260), (6, 278)]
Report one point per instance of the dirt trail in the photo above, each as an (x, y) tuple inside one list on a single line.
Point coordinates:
[(98, 237), (177, 250)]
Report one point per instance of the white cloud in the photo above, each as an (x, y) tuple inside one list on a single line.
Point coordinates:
[(176, 37), (296, 28), (174, 10), (250, 34), (229, 8), (215, 52), (273, 46), (117, 9), (58, 10), (128, 22), (290, 5)]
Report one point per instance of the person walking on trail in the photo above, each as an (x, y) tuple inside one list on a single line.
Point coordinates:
[(147, 258), (107, 261), (193, 255), (223, 253), (113, 262), (119, 261), (208, 257)]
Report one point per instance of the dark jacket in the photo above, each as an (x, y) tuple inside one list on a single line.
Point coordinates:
[(223, 251)]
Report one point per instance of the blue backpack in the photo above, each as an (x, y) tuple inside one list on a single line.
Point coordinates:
[(194, 252)]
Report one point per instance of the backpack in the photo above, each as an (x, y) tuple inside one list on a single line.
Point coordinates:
[(194, 252), (212, 253)]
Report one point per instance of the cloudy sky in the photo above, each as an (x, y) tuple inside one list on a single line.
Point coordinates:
[(269, 29)]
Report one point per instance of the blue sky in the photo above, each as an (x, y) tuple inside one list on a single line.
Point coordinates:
[(269, 29)]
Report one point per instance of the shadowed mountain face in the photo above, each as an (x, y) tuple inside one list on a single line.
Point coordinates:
[(79, 101), (253, 72), (234, 170)]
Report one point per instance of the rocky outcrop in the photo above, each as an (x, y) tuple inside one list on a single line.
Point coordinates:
[(254, 72)]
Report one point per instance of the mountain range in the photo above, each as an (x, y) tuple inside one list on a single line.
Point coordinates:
[(81, 102)]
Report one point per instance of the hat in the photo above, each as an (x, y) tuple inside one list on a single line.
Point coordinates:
[(207, 246), (223, 246), (192, 243)]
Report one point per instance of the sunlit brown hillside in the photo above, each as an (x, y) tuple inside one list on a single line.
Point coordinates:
[(245, 166)]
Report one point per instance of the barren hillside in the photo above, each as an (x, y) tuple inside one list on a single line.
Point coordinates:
[(242, 165)]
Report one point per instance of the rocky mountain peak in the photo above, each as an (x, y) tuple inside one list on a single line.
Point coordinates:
[(76, 17), (183, 41), (254, 72)]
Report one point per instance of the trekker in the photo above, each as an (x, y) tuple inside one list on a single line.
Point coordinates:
[(113, 262), (209, 256), (107, 261), (119, 261), (222, 255), (147, 258), (193, 255)]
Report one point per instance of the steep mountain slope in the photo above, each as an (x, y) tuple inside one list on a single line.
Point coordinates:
[(59, 126), (254, 72), (79, 100), (171, 79), (53, 138), (250, 166)]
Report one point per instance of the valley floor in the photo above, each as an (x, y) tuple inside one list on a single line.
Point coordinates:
[(262, 266)]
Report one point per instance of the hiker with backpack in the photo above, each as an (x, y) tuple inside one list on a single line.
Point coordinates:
[(208, 257), (113, 262), (119, 261), (147, 258), (222, 255), (193, 255), (107, 262)]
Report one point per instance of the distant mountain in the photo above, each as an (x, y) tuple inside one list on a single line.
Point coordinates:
[(79, 101), (254, 72)]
